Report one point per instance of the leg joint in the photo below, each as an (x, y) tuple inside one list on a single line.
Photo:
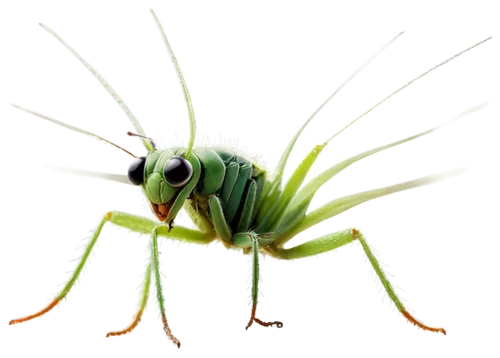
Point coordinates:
[(108, 215), (358, 232)]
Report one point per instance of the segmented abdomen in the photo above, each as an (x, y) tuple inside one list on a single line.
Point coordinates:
[(235, 180)]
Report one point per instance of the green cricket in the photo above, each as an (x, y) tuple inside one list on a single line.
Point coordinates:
[(233, 200)]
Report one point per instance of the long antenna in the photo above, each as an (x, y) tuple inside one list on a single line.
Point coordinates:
[(186, 95), (56, 122), (97, 75), (151, 141)]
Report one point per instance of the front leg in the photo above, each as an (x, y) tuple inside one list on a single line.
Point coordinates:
[(144, 225), (159, 289), (137, 224), (67, 287)]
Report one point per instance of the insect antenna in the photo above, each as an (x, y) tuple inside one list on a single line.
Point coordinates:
[(112, 177), (74, 129), (186, 94), (151, 141), (99, 77)]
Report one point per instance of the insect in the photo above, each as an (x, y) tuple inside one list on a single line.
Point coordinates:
[(233, 200)]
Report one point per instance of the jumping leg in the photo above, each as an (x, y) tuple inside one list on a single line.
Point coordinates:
[(336, 240)]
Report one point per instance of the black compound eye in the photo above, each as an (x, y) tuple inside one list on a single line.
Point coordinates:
[(177, 171), (136, 171)]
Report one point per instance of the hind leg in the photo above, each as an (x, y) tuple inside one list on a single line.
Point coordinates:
[(340, 238)]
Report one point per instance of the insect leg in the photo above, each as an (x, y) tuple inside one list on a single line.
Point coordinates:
[(261, 193), (248, 207), (220, 224), (142, 225), (340, 238), (161, 300), (142, 305), (231, 206), (153, 267), (314, 247), (131, 222), (73, 278), (232, 172), (145, 226), (255, 285)]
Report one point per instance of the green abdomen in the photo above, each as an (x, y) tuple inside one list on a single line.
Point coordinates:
[(235, 180)]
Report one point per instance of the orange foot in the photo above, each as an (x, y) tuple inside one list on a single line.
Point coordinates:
[(255, 319), (30, 317), (424, 326), (136, 321)]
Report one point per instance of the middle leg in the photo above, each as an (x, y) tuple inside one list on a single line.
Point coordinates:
[(144, 225), (255, 285)]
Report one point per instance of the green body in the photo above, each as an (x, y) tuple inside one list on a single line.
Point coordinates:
[(232, 199), (222, 196)]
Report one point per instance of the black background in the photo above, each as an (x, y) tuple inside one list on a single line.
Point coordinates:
[(259, 71)]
